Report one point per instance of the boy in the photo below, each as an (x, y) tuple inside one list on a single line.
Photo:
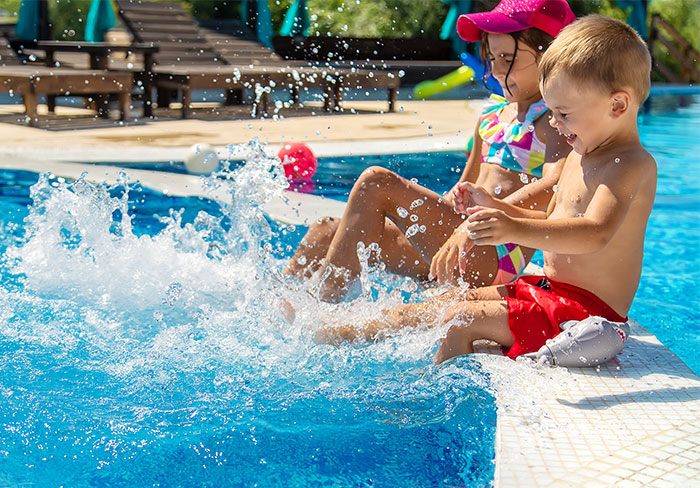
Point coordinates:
[(594, 77)]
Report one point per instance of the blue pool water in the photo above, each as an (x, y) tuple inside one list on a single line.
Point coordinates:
[(142, 347), (147, 351)]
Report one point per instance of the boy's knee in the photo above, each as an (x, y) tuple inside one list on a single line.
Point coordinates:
[(457, 342), (460, 314)]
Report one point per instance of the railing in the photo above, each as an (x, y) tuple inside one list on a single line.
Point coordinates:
[(681, 50)]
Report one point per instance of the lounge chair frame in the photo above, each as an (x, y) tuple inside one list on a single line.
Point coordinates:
[(32, 81)]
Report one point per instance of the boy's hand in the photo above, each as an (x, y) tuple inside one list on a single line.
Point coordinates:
[(451, 255), (488, 226), (467, 195)]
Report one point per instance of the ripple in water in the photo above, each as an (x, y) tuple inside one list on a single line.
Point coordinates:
[(134, 359)]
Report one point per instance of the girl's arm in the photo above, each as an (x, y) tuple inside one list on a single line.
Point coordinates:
[(537, 195), (471, 168)]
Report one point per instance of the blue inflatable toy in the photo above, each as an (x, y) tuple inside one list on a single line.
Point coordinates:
[(478, 67)]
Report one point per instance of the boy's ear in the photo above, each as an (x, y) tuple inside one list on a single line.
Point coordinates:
[(619, 103)]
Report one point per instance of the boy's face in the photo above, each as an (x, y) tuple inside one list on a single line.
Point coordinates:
[(582, 113)]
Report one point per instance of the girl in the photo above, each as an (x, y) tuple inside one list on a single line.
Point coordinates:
[(513, 145)]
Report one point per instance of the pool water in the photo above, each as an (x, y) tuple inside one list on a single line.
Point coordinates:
[(148, 351)]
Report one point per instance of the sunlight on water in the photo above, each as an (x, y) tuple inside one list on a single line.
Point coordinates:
[(135, 358)]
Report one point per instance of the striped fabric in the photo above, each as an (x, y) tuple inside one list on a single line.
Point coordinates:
[(512, 145)]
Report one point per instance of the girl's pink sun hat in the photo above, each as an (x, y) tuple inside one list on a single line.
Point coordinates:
[(550, 16)]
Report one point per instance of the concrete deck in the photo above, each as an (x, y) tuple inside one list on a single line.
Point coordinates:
[(416, 126), (635, 421)]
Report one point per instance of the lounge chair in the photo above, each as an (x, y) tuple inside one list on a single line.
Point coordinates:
[(30, 81), (237, 45), (187, 61)]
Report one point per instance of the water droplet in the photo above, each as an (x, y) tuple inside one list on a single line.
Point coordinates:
[(498, 189), (411, 231), (422, 229), (414, 218), (524, 178), (416, 203), (414, 180), (301, 260), (172, 294), (617, 160), (555, 188), (402, 212), (531, 128)]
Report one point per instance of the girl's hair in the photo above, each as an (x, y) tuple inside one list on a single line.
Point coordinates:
[(536, 39)]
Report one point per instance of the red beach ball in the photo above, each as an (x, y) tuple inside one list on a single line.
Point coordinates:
[(298, 161)]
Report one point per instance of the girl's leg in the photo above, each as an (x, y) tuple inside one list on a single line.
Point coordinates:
[(423, 221), (398, 254), (312, 248), (374, 214)]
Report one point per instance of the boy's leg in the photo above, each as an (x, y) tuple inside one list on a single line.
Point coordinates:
[(483, 304), (472, 321)]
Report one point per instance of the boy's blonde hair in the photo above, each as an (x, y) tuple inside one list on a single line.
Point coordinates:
[(602, 51)]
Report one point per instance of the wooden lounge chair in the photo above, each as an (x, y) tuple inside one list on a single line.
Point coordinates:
[(30, 81), (187, 61), (237, 45)]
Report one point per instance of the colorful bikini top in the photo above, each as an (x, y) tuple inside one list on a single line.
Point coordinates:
[(513, 145)]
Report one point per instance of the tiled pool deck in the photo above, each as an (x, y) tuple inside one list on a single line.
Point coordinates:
[(634, 421)]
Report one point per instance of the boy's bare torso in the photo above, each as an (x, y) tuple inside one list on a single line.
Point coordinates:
[(613, 272)]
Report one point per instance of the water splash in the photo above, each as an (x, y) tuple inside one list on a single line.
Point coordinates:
[(125, 348)]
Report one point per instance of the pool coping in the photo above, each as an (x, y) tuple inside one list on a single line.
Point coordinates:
[(635, 421)]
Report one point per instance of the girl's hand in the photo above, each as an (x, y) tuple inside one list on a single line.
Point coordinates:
[(467, 195), (488, 226), (452, 255)]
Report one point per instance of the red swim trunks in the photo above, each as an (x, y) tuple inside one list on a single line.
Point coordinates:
[(537, 305)]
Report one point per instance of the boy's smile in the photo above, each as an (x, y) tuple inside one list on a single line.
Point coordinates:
[(581, 114)]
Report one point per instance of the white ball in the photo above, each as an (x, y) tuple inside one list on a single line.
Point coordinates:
[(201, 159)]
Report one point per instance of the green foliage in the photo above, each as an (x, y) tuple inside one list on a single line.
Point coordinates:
[(603, 7), (68, 18), (214, 9), (9, 8), (684, 15), (376, 18)]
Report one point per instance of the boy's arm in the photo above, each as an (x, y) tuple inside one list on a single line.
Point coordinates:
[(472, 195), (531, 200), (618, 188)]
